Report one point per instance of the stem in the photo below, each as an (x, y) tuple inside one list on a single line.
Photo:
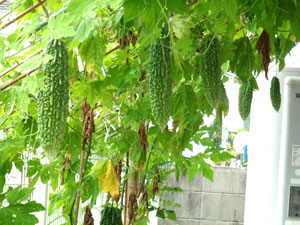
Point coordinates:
[(19, 63), (112, 50), (23, 14), (1, 2), (17, 53), (55, 219), (45, 10), (17, 79), (74, 129), (83, 163), (146, 169), (71, 210), (193, 3)]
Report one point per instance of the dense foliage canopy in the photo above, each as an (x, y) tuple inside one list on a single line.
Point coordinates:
[(108, 46)]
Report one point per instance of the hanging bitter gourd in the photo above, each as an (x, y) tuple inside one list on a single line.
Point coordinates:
[(275, 93), (53, 98), (111, 216), (210, 69), (245, 98), (159, 80)]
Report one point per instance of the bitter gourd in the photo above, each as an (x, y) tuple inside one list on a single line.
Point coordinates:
[(159, 81), (111, 216), (210, 69), (245, 98), (275, 93), (224, 102), (53, 98)]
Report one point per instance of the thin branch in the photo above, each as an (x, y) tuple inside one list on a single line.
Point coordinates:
[(23, 14), (112, 50), (45, 10), (71, 210), (1, 2), (31, 71), (74, 129), (102, 127), (193, 3), (19, 63), (17, 79), (119, 128), (17, 53), (55, 219)]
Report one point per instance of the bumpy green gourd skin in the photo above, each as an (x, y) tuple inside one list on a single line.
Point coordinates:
[(159, 81), (224, 101), (275, 93), (111, 216), (210, 69), (245, 99), (53, 99)]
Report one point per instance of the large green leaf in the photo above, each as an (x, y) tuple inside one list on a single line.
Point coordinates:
[(92, 51), (20, 214)]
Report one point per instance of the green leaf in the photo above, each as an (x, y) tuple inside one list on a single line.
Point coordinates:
[(207, 170), (177, 6), (206, 142), (221, 156), (192, 172), (243, 63), (59, 27), (81, 8), (20, 214), (132, 9), (18, 195), (84, 28), (152, 14), (45, 174), (2, 48), (12, 144), (160, 213), (181, 25), (171, 215), (215, 6), (92, 51), (220, 27), (231, 8)]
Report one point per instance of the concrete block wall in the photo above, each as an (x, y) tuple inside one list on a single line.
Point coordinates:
[(204, 202)]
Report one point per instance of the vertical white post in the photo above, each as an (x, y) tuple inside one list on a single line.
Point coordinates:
[(263, 154)]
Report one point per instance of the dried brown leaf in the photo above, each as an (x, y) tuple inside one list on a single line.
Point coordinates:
[(88, 217), (156, 181), (143, 138), (264, 49), (67, 163), (132, 207)]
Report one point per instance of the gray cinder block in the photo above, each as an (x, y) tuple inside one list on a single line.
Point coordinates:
[(190, 204), (178, 222), (195, 184), (221, 207), (227, 180), (219, 223)]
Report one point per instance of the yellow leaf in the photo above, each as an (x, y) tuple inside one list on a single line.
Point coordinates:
[(293, 38), (108, 180)]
